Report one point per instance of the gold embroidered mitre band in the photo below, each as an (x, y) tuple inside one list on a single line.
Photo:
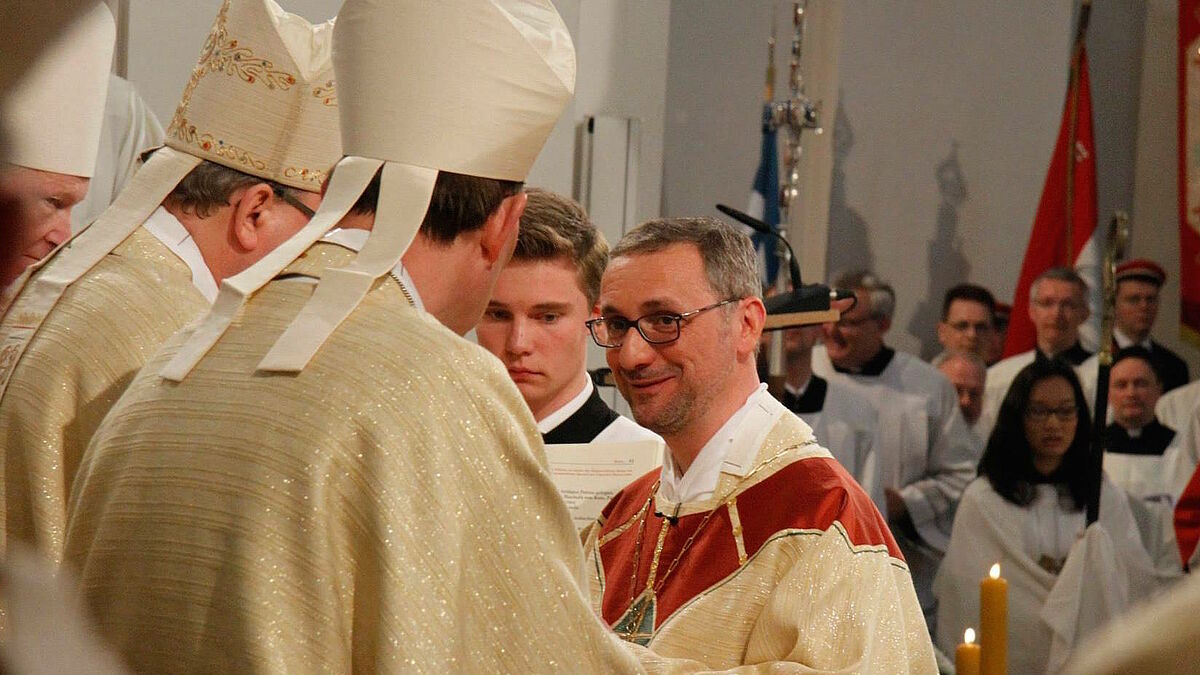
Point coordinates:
[(468, 86), (52, 117)]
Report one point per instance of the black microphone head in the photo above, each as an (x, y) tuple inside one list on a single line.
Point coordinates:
[(746, 219)]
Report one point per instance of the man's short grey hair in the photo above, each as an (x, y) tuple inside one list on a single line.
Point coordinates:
[(970, 358), (879, 292), (1058, 274), (729, 259)]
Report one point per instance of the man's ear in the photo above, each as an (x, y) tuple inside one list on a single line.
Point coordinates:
[(750, 325), (248, 208), (885, 324), (499, 234)]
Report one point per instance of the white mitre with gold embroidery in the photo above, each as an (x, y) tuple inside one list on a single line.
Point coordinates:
[(260, 100), (53, 116), (468, 86)]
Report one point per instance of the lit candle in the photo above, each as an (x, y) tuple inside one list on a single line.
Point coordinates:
[(966, 659), (993, 623)]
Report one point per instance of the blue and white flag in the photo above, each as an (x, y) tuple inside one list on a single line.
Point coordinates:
[(764, 200)]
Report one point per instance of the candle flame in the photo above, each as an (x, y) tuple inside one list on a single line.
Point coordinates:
[(995, 571), (969, 636)]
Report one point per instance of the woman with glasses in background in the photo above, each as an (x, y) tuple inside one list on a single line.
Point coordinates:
[(1026, 511)]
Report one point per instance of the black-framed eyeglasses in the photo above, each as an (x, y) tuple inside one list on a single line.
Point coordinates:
[(287, 196), (658, 328), (1041, 413)]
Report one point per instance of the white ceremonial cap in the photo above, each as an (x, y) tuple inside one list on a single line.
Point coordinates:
[(468, 86), (52, 117), (260, 100)]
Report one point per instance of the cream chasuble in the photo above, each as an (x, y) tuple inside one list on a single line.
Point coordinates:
[(788, 568), (385, 510), (74, 369)]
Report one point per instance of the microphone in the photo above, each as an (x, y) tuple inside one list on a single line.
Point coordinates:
[(763, 228), (796, 307)]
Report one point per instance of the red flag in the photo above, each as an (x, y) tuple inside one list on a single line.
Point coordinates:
[(1066, 214), (1189, 169)]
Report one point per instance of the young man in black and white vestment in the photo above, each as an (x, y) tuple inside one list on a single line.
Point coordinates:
[(535, 323)]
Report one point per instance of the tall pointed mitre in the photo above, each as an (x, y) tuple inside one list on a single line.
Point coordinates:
[(468, 86), (261, 100), (52, 117)]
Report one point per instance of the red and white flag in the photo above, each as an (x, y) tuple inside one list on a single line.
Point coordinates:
[(1064, 229)]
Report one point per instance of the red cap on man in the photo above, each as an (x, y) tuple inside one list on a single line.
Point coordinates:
[(1141, 269)]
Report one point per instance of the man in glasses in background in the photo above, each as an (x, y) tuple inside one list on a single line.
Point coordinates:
[(968, 322), (751, 540)]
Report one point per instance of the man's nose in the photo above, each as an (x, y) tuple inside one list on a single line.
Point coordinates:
[(518, 338), (60, 231), (634, 351)]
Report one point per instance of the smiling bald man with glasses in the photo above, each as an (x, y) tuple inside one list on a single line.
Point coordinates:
[(751, 545)]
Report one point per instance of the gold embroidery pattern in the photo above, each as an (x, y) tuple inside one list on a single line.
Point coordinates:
[(327, 93), (221, 54), (313, 176), (209, 143)]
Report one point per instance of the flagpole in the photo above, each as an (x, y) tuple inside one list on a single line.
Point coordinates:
[(1114, 250), (1085, 11)]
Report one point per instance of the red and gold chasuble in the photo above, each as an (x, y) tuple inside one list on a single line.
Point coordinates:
[(789, 563)]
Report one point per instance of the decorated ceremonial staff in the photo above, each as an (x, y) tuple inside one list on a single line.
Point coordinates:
[(1114, 251), (804, 305)]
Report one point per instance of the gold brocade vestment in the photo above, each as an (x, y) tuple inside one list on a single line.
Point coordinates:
[(385, 510), (787, 568), (73, 369)]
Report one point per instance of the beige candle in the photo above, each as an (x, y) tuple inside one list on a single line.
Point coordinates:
[(993, 623)]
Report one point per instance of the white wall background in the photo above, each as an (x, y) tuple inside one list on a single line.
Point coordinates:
[(948, 112)]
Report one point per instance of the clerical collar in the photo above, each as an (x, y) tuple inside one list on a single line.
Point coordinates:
[(1153, 439), (874, 367), (1124, 340), (731, 450), (167, 229), (559, 416), (811, 400), (353, 238), (1074, 355)]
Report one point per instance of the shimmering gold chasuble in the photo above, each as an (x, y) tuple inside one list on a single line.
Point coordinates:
[(73, 369), (385, 510), (789, 568)]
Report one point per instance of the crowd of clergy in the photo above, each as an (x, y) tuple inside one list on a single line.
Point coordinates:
[(242, 431)]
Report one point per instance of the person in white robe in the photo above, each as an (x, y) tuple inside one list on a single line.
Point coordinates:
[(926, 454), (1027, 512), (1141, 454), (968, 374), (841, 417), (51, 119), (1057, 307), (130, 128), (534, 322)]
